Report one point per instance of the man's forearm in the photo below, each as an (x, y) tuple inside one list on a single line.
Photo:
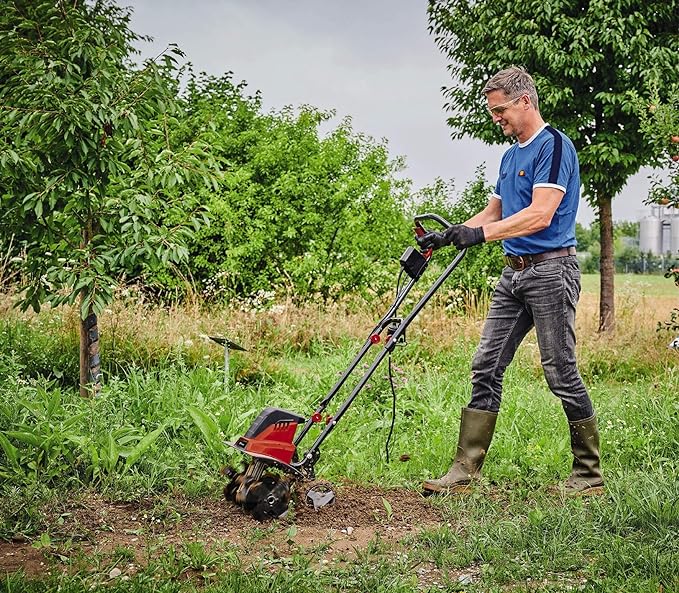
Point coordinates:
[(530, 220), (491, 213), (523, 223)]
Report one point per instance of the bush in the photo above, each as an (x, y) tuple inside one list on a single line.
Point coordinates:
[(297, 212), (38, 351)]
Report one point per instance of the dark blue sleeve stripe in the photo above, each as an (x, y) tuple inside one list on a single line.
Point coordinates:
[(556, 155)]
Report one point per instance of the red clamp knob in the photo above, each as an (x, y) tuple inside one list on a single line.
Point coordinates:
[(375, 339)]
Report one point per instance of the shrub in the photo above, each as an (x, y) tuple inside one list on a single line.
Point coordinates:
[(297, 212)]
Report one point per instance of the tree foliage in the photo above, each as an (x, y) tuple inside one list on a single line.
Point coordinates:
[(660, 127), (83, 182), (78, 181), (303, 208), (588, 58)]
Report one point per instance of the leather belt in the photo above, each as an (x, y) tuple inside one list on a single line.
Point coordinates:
[(521, 262)]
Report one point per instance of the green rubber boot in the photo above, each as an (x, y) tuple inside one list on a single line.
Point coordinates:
[(476, 432), (585, 476)]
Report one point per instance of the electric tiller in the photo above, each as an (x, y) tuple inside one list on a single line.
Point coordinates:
[(272, 441)]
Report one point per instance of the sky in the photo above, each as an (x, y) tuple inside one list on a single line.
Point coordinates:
[(372, 60)]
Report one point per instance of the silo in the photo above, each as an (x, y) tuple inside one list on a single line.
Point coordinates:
[(650, 235), (674, 235)]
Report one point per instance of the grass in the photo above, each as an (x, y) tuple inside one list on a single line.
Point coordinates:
[(163, 414), (640, 285)]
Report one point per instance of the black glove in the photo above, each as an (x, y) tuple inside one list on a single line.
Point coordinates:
[(462, 236), (433, 240)]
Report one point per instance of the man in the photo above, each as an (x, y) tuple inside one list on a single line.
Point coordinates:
[(533, 212)]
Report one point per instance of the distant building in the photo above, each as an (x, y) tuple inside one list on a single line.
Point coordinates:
[(659, 231)]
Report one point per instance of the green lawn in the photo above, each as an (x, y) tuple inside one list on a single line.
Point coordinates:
[(642, 285)]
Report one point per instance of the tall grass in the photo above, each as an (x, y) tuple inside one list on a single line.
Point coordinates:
[(164, 414)]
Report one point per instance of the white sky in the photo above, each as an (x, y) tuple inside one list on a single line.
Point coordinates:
[(372, 60)]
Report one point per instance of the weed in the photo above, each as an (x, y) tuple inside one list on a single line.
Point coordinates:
[(388, 509), (122, 554), (257, 534), (198, 557), (44, 542)]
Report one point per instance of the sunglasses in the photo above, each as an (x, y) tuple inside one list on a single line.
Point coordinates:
[(502, 107)]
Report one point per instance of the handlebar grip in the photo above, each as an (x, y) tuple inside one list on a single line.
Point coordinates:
[(419, 228)]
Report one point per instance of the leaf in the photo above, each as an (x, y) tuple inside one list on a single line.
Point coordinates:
[(208, 428), (388, 508), (112, 453), (291, 533), (44, 542), (11, 452), (25, 437), (79, 440), (54, 403), (142, 446), (73, 420)]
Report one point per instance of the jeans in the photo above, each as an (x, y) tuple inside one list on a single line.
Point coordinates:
[(543, 296)]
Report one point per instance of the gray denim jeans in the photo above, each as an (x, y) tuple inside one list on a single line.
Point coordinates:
[(543, 296)]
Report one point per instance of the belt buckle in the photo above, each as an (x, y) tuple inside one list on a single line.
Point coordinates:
[(516, 262)]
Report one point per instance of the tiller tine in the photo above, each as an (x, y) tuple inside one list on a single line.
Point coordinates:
[(265, 495)]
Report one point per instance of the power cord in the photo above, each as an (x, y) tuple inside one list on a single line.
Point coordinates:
[(393, 408), (391, 382)]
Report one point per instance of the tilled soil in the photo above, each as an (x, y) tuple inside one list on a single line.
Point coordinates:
[(93, 526)]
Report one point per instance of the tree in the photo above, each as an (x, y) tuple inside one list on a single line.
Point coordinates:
[(586, 236), (625, 228), (587, 58), (298, 211), (76, 175), (660, 127)]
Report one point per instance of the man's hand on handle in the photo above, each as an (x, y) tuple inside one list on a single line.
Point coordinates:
[(458, 234)]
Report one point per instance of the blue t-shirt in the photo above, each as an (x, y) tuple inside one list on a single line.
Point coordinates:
[(547, 159)]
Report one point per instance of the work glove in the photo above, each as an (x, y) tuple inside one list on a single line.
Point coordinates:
[(433, 240), (458, 234), (463, 236)]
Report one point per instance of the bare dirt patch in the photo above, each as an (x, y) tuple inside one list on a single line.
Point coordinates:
[(131, 534)]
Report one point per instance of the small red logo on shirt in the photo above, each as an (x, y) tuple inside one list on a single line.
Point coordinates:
[(522, 173)]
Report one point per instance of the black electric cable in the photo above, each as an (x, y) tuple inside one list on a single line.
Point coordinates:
[(393, 408), (391, 380), (398, 282)]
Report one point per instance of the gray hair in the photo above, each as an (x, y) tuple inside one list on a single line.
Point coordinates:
[(514, 82)]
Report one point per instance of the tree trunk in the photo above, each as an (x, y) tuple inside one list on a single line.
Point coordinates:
[(607, 278), (90, 367)]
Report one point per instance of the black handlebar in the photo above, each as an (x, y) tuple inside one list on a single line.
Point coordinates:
[(431, 216)]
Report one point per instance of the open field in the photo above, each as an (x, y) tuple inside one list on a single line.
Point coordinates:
[(641, 285), (90, 502)]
